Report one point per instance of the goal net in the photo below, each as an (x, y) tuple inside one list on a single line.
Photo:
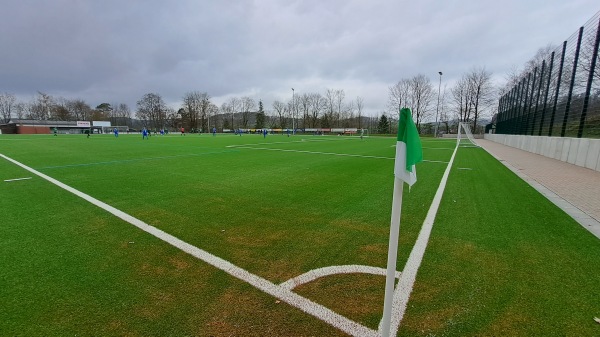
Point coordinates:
[(466, 129), (110, 129)]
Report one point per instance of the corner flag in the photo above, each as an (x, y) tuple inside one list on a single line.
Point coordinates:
[(408, 153), (408, 148)]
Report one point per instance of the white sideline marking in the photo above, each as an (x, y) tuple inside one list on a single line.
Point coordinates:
[(286, 295), (333, 270), (328, 153), (293, 141), (409, 273), (16, 179), (311, 152)]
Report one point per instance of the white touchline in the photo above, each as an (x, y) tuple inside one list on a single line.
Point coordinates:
[(282, 293), (409, 273)]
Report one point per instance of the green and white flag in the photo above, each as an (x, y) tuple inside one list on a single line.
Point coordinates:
[(408, 148)]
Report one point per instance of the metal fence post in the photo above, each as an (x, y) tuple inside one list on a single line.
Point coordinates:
[(568, 107), (560, 71), (588, 88), (546, 94)]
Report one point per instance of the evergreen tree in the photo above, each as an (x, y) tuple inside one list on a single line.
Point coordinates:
[(260, 116), (384, 125)]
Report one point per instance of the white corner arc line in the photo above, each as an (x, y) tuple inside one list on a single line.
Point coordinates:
[(321, 312), (409, 273), (333, 270)]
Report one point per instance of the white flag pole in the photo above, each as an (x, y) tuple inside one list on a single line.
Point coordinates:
[(392, 256)]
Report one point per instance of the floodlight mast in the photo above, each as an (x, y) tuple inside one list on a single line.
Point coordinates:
[(293, 115), (438, 106)]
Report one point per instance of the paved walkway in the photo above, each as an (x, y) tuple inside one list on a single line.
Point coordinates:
[(573, 188)]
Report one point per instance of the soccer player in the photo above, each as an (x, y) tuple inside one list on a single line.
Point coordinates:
[(182, 131), (144, 133), (55, 131), (116, 132), (214, 131)]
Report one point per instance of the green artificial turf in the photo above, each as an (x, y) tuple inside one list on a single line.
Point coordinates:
[(277, 207)]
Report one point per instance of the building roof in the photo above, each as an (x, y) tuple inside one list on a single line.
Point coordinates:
[(42, 122)]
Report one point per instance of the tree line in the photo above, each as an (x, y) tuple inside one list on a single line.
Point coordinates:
[(470, 99)]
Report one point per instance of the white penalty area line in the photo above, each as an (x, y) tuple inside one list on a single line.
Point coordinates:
[(277, 291), (409, 273), (329, 153), (303, 140), (16, 179), (312, 152)]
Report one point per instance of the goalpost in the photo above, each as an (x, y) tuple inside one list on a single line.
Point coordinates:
[(109, 129), (467, 131)]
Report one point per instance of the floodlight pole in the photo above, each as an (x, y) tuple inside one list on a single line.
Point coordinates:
[(207, 114), (293, 115), (438, 106)]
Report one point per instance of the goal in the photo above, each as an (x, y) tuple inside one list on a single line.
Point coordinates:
[(466, 128), (109, 129)]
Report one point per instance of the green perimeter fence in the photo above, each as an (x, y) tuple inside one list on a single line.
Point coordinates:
[(560, 95)]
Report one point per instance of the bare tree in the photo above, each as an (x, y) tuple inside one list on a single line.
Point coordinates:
[(461, 96), (194, 108), (339, 104), (20, 110), (484, 94), (280, 110), (317, 104), (7, 106), (304, 103), (152, 110), (331, 114), (514, 75), (473, 96), (79, 109), (347, 115), (234, 106), (421, 97), (60, 110), (416, 93), (41, 106), (399, 96), (359, 109), (247, 105)]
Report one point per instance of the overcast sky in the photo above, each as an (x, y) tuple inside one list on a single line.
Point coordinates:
[(117, 51)]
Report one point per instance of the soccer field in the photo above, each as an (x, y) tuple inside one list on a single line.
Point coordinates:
[(501, 259)]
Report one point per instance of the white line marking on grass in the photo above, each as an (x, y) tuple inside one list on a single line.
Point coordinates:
[(333, 270), (133, 160), (286, 295), (16, 179), (438, 148), (409, 273), (330, 153), (312, 152), (293, 141)]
